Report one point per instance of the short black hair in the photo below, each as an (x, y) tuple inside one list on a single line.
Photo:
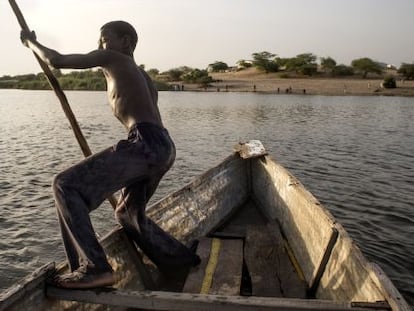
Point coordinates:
[(122, 28)]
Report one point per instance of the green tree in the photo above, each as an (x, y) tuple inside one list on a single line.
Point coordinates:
[(5, 78), (365, 66), (27, 77), (303, 63), (407, 71), (176, 74), (328, 64), (281, 62), (218, 66), (242, 64), (265, 61), (342, 71), (153, 73), (197, 76)]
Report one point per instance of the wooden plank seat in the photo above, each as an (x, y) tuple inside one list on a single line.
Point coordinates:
[(267, 263), (271, 272), (220, 270)]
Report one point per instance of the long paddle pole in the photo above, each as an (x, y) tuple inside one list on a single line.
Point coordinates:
[(54, 84)]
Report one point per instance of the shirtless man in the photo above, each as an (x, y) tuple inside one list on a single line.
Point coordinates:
[(135, 165)]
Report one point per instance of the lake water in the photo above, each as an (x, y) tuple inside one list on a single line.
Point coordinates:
[(355, 154)]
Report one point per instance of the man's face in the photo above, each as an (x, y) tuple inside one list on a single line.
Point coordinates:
[(109, 40)]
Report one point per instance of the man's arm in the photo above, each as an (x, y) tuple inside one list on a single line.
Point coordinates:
[(56, 60)]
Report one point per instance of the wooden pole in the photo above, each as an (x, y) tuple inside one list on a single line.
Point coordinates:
[(54, 84)]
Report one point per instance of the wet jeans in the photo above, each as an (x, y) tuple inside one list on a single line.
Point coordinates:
[(135, 166)]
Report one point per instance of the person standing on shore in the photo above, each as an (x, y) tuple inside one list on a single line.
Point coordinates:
[(135, 165)]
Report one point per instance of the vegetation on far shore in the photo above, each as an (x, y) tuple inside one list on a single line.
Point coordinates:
[(302, 65)]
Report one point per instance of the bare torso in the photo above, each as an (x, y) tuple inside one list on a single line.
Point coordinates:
[(130, 90), (131, 93)]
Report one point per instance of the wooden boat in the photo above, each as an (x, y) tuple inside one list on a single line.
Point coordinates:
[(266, 244)]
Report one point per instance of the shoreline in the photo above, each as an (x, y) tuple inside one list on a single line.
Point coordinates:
[(253, 81)]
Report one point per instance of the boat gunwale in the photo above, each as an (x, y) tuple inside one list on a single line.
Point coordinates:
[(25, 285)]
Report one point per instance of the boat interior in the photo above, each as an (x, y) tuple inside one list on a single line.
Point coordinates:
[(245, 255)]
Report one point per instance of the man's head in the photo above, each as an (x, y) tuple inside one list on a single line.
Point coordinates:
[(124, 32)]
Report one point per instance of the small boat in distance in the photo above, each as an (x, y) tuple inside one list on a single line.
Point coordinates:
[(266, 243)]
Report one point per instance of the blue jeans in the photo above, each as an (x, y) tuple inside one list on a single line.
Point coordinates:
[(135, 166)]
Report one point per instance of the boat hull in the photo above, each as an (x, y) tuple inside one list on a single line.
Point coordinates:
[(335, 273)]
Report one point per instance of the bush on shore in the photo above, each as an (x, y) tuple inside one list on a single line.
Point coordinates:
[(77, 80), (389, 83)]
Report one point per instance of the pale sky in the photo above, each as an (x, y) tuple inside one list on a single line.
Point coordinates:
[(196, 33)]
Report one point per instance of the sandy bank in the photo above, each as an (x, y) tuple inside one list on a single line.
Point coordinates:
[(251, 80)]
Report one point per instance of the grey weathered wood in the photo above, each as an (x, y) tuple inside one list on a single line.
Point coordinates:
[(394, 298), (271, 272), (228, 274), (206, 204), (124, 260), (309, 228), (233, 233), (350, 277), (247, 214), (196, 274), (261, 253), (226, 279), (324, 262), (305, 224), (250, 149), (202, 205), (153, 300), (28, 291)]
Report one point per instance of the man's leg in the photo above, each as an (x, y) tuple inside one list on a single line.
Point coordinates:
[(78, 191), (163, 249)]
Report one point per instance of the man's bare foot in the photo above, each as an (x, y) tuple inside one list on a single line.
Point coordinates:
[(80, 279)]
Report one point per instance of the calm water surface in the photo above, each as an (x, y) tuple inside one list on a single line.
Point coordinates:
[(354, 153)]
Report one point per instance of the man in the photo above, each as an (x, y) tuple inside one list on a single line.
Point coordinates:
[(135, 165)]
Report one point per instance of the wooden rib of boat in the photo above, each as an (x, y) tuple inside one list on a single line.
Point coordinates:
[(266, 243)]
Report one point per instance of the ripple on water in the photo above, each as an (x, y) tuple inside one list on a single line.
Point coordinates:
[(353, 153)]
